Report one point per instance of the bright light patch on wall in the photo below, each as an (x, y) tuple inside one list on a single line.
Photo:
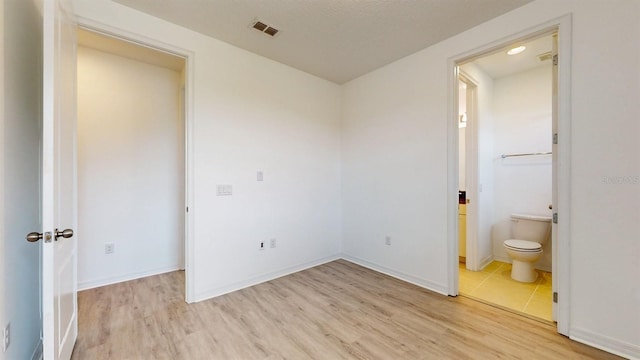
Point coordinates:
[(462, 120), (516, 50)]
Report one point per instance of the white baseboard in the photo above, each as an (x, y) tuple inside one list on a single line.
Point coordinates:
[(617, 347), (503, 259), (486, 261), (439, 288), (263, 278), (37, 352), (85, 285), (544, 268)]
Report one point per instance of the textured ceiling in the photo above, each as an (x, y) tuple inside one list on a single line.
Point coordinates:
[(337, 40)]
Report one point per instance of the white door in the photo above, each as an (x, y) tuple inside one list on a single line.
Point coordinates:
[(59, 248), (554, 173), (471, 172)]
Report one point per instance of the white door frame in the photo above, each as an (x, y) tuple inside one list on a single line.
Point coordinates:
[(562, 26), (189, 56)]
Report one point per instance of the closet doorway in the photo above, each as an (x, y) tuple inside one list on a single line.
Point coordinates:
[(131, 160)]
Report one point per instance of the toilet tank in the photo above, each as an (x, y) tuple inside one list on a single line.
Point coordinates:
[(531, 227)]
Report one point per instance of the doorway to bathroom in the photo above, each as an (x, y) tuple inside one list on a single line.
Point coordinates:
[(507, 164)]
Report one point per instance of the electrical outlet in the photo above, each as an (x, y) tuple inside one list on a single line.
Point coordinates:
[(387, 240), (6, 337), (273, 243), (109, 248), (261, 245)]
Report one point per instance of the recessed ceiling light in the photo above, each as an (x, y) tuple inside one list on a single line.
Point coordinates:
[(516, 50)]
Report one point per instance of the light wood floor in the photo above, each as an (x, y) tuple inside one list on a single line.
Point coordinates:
[(334, 311)]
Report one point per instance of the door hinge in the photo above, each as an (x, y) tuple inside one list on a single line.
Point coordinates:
[(555, 59), (555, 297), (555, 218), (555, 139)]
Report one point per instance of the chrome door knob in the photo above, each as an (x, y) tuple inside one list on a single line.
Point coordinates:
[(34, 236), (66, 233)]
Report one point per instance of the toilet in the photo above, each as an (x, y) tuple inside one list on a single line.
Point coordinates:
[(529, 233)]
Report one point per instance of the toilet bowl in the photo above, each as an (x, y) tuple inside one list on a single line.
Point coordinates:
[(529, 233), (523, 254)]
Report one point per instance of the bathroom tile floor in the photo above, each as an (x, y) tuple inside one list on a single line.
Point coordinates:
[(494, 285)]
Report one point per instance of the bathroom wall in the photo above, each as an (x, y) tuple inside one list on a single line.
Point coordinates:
[(522, 124)]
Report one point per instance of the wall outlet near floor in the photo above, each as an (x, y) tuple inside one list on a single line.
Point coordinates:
[(387, 240), (109, 248), (224, 190), (6, 337), (272, 243), (262, 245)]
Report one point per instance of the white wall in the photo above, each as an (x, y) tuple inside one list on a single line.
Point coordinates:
[(461, 158), (2, 125), (522, 124), (395, 163), (394, 172), (484, 204), (462, 109), (130, 169), (251, 114), (394, 160), (22, 84)]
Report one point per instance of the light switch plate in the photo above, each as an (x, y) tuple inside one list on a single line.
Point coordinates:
[(224, 190)]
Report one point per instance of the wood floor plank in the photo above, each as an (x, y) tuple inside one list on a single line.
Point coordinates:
[(337, 310)]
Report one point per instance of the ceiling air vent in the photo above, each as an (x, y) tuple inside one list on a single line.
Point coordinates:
[(264, 28), (260, 26), (271, 31)]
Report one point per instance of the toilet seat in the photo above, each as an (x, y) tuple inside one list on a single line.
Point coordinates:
[(523, 245)]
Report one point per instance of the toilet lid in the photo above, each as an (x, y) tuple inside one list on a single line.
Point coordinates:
[(522, 245)]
